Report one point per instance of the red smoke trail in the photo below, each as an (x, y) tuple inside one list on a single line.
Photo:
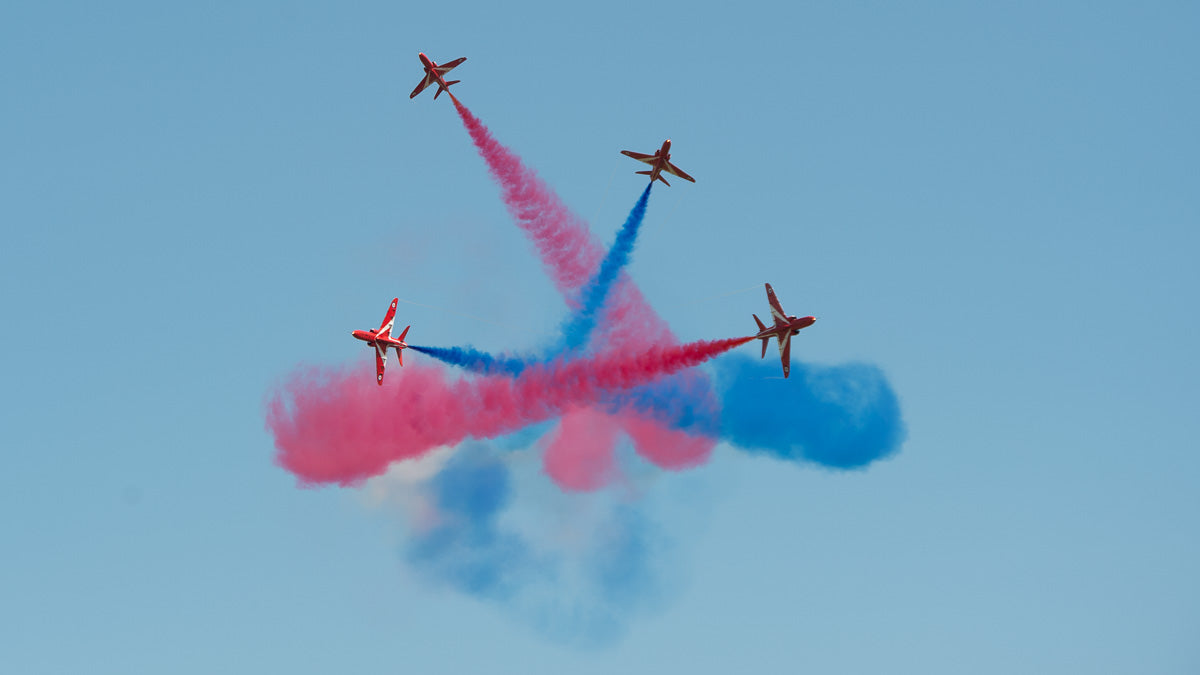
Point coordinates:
[(339, 427), (562, 239), (572, 255)]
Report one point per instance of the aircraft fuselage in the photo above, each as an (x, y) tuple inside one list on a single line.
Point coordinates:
[(792, 325), (371, 337), (664, 155), (431, 68)]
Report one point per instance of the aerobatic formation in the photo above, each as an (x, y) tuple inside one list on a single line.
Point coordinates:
[(785, 326), (615, 366), (614, 377)]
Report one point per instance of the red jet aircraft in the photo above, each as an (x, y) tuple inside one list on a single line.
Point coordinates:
[(382, 338), (434, 73), (661, 161), (785, 327)]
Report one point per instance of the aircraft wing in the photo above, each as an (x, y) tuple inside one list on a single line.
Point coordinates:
[(676, 171), (641, 157), (421, 87), (447, 67), (785, 352), (776, 309), (385, 328), (380, 361)]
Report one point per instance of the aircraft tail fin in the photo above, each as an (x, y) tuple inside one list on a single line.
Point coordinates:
[(644, 173), (765, 340), (403, 333), (400, 356)]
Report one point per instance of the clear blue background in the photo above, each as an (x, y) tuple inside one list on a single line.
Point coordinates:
[(997, 203)]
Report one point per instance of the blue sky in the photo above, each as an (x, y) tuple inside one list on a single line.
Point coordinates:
[(995, 204)]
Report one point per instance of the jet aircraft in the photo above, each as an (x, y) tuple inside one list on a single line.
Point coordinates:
[(660, 161), (785, 327), (382, 338), (434, 73)]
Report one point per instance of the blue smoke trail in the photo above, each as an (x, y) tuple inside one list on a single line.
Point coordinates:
[(577, 328), (585, 597), (842, 417), (476, 361)]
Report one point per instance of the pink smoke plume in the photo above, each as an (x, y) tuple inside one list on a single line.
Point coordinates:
[(338, 427), (576, 452), (579, 453)]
